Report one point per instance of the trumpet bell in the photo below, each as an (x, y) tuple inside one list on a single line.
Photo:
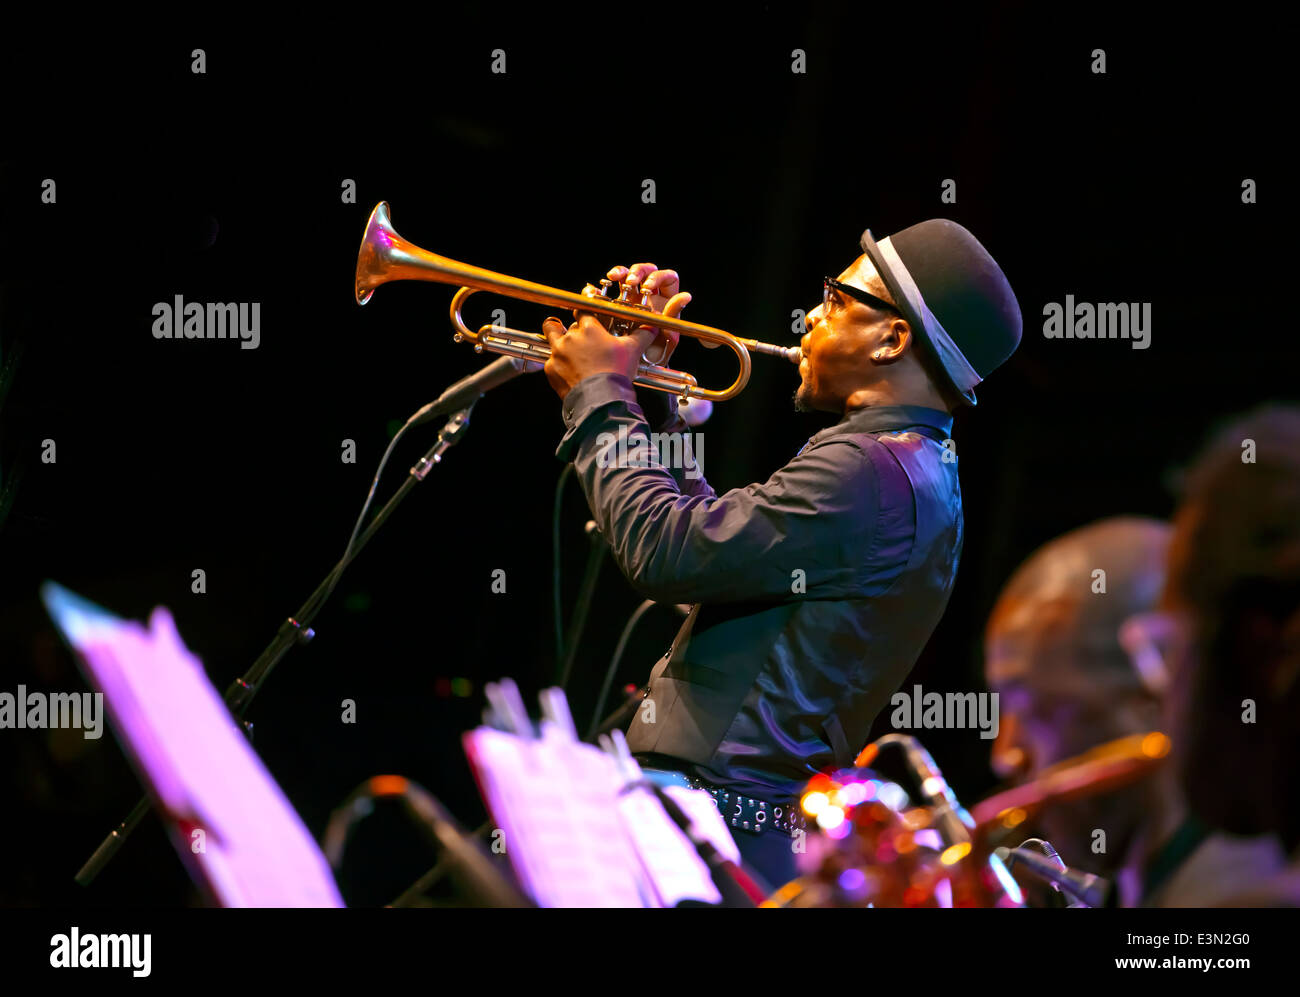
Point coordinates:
[(371, 268), (386, 256)]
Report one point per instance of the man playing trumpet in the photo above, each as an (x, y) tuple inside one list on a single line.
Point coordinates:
[(814, 592)]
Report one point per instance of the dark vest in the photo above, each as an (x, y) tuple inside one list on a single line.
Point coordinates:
[(766, 696)]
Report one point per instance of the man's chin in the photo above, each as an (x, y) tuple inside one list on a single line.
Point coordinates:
[(803, 400)]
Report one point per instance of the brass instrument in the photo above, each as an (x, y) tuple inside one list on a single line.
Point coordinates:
[(1105, 767), (386, 256), (879, 850)]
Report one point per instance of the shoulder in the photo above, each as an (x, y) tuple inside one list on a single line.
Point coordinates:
[(849, 456), (881, 456), (858, 467)]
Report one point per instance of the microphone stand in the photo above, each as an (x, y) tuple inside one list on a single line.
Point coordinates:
[(595, 558), (295, 630)]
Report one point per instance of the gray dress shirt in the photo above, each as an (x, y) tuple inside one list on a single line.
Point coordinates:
[(813, 593)]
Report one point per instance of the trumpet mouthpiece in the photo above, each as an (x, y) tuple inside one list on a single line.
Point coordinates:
[(790, 353)]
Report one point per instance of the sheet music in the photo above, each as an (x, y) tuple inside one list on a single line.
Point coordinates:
[(554, 799), (254, 850), (674, 867), (573, 838)]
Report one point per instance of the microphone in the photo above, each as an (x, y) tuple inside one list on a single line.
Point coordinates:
[(469, 389), (695, 411), (1083, 886)]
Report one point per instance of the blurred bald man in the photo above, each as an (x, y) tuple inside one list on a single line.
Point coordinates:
[(1054, 654)]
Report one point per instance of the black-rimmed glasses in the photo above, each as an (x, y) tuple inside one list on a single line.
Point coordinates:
[(831, 284)]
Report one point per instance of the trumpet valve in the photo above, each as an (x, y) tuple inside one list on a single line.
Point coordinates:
[(629, 295)]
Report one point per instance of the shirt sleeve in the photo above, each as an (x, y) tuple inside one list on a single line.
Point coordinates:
[(801, 534), (655, 408)]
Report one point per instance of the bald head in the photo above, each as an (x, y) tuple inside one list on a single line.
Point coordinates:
[(1052, 647), (1086, 584), (1065, 683)]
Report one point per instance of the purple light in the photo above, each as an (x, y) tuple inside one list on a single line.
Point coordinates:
[(852, 881)]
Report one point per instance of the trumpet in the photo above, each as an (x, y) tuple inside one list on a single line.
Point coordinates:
[(386, 256)]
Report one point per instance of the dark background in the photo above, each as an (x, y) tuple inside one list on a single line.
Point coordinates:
[(226, 187)]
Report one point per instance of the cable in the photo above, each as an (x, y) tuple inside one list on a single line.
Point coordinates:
[(555, 561), (595, 558), (337, 573), (612, 670)]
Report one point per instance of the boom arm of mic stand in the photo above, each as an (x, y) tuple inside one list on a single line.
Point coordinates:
[(296, 629)]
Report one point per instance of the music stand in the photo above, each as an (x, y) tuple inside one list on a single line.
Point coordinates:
[(235, 830)]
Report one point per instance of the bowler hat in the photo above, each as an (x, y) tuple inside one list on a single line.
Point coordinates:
[(953, 294)]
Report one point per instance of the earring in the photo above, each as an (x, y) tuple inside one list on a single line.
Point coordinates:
[(877, 354)]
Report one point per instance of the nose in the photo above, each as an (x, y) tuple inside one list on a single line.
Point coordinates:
[(1009, 757), (812, 318)]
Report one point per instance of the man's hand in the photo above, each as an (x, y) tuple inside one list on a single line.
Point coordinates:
[(586, 348)]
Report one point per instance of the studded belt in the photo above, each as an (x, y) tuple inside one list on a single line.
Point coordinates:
[(739, 810)]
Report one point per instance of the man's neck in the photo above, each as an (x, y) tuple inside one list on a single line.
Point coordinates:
[(885, 393)]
